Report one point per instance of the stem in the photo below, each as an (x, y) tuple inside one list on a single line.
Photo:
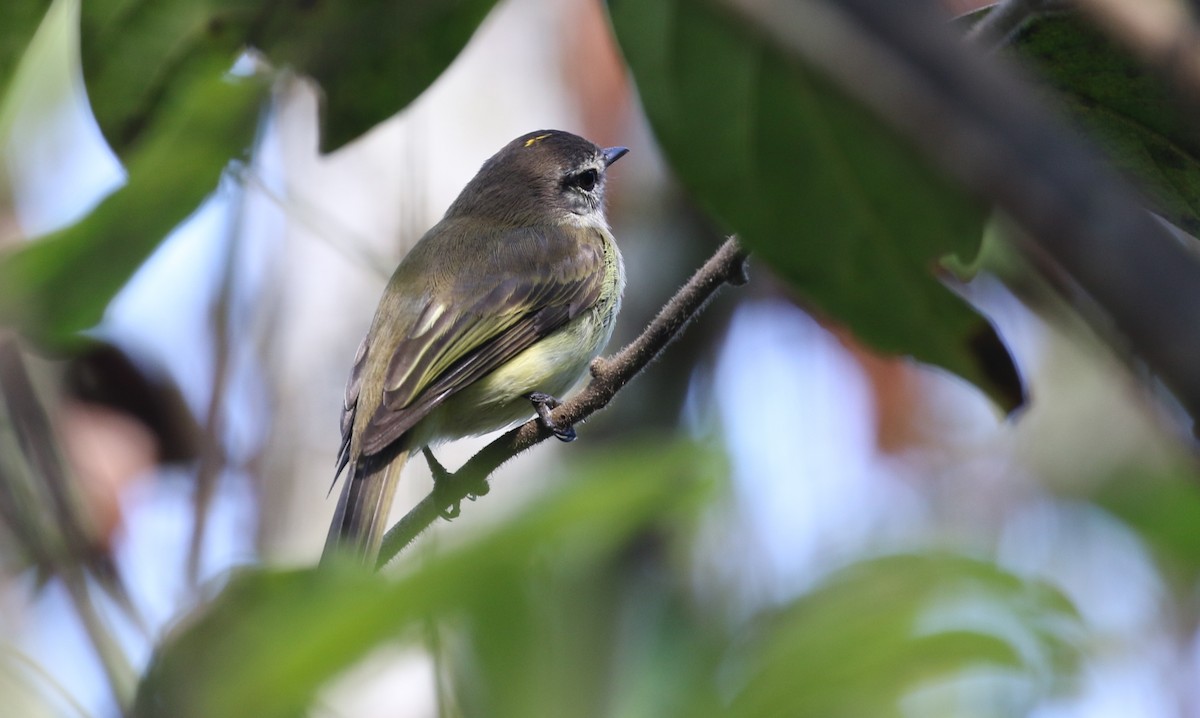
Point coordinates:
[(212, 452), (727, 266), (996, 28)]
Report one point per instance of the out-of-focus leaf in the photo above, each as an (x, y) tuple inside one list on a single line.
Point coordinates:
[(33, 79), (267, 644), (573, 638), (1127, 109), (21, 19), (372, 58), (842, 209), (1164, 509), (137, 54), (60, 284), (882, 629)]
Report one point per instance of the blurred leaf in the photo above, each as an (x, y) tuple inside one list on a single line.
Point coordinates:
[(60, 284), (21, 19), (884, 628), (33, 78), (268, 643), (1164, 509), (371, 58), (138, 53), (564, 637), (843, 210), (1139, 123)]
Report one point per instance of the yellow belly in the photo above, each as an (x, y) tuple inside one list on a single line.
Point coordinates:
[(555, 365)]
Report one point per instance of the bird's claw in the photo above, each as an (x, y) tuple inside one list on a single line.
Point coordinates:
[(543, 404), (440, 476)]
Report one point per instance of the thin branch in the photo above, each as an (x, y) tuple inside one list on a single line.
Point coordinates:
[(55, 685), (727, 266), (55, 533), (1004, 19), (213, 458)]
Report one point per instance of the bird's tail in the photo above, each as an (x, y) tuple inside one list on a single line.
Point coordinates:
[(362, 510)]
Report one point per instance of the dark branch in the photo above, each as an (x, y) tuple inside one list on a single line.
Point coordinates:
[(728, 265)]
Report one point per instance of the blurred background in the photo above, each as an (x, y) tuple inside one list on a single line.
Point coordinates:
[(194, 429)]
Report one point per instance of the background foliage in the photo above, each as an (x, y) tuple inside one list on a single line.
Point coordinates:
[(601, 597)]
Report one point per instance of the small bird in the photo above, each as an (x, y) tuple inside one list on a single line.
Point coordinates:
[(497, 311)]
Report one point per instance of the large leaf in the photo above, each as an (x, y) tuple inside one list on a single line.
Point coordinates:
[(270, 641), (1127, 109), (880, 630), (839, 207), (372, 58), (136, 54), (21, 18), (60, 284)]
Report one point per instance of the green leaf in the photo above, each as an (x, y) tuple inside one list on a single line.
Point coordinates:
[(1139, 123), (21, 19), (844, 211), (272, 638), (371, 58), (36, 60), (137, 53), (880, 630), (1163, 507), (61, 283)]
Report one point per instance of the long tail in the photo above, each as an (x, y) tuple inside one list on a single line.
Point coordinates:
[(362, 511)]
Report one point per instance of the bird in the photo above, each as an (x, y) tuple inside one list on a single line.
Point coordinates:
[(495, 313)]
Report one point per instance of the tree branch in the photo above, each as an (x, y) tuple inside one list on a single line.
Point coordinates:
[(728, 265)]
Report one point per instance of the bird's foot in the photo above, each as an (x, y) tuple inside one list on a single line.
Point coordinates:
[(441, 475), (543, 404)]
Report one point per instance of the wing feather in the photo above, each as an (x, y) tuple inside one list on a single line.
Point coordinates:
[(532, 282)]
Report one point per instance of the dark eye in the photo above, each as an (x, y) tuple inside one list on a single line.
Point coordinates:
[(586, 180)]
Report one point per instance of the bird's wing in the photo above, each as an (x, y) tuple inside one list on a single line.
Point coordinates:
[(529, 283)]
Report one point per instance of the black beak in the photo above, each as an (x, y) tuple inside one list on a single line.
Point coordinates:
[(612, 154)]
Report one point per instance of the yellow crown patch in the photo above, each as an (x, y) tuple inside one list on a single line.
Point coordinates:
[(534, 140)]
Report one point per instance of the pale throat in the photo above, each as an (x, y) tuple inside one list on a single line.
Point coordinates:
[(590, 219)]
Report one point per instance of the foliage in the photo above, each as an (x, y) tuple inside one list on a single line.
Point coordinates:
[(841, 208), (1129, 111), (563, 618), (157, 79), (585, 604)]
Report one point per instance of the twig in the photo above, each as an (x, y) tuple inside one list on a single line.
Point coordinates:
[(62, 545), (55, 685), (728, 265), (1006, 18), (212, 452)]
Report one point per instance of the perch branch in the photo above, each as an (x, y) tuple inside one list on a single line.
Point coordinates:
[(728, 265)]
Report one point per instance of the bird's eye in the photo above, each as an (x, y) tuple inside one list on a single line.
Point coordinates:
[(586, 180)]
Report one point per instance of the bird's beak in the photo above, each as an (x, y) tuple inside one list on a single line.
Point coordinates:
[(612, 154)]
